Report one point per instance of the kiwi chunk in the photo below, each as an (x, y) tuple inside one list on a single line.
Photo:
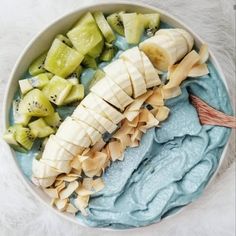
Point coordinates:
[(61, 59), (37, 65), (77, 72), (53, 120), (57, 90), (35, 103), (64, 39), (108, 52), (73, 80), (104, 26), (18, 117), (116, 23), (40, 128), (37, 81), (89, 62), (96, 50), (85, 35), (76, 94), (99, 74), (134, 27), (151, 23), (25, 137)]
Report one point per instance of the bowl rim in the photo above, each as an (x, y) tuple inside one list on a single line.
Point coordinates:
[(86, 7)]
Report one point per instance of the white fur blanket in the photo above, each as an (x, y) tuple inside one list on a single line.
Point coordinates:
[(213, 214)]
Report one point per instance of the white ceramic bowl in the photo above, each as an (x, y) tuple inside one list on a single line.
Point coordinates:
[(41, 43)]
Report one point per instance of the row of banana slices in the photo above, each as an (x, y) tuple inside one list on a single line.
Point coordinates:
[(102, 109)]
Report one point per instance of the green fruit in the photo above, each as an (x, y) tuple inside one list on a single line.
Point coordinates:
[(116, 23), (35, 103), (64, 40), (25, 137), (151, 23), (37, 81), (89, 62), (73, 80), (77, 72), (76, 94), (104, 27), (61, 59), (37, 65), (108, 52), (18, 117), (40, 128), (85, 35), (134, 27), (99, 74), (57, 90), (96, 50), (53, 120)]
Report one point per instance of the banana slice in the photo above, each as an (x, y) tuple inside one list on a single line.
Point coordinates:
[(94, 135), (117, 71), (103, 90), (180, 42), (107, 124), (45, 182), (137, 80), (61, 166), (97, 104), (133, 55), (188, 37), (54, 151), (121, 96), (81, 113), (151, 75), (161, 50), (72, 132)]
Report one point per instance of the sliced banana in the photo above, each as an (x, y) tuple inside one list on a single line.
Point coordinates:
[(72, 132), (161, 50), (43, 182), (103, 90), (97, 104), (117, 71), (189, 39), (151, 75), (121, 96), (61, 166), (81, 113), (137, 80), (54, 151), (133, 55)]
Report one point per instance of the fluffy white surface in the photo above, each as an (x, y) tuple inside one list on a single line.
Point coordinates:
[(213, 214)]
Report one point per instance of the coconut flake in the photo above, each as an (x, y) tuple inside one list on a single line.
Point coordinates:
[(65, 193), (156, 99), (199, 70), (203, 53), (162, 113), (171, 93), (71, 209), (61, 204), (51, 192), (116, 150), (98, 184)]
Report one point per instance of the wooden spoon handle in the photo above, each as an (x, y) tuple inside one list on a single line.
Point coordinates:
[(210, 116)]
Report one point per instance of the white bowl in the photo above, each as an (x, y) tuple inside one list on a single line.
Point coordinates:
[(41, 43)]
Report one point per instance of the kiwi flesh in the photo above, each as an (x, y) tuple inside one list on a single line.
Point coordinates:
[(89, 62), (64, 40), (96, 50), (62, 60), (116, 23), (77, 72), (25, 137), (18, 117), (108, 52), (151, 23), (104, 26), (57, 90), (40, 128), (85, 35), (73, 80), (76, 94), (53, 120), (37, 65), (35, 103)]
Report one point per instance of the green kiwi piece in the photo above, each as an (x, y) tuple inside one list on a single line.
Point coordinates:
[(104, 26), (76, 94), (57, 90), (99, 74), (37, 65), (85, 35), (35, 103), (116, 23), (96, 50), (89, 62), (53, 120), (134, 27), (18, 117), (62, 60), (73, 80), (40, 128), (25, 137), (38, 81), (77, 72), (108, 52), (64, 40), (151, 23)]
